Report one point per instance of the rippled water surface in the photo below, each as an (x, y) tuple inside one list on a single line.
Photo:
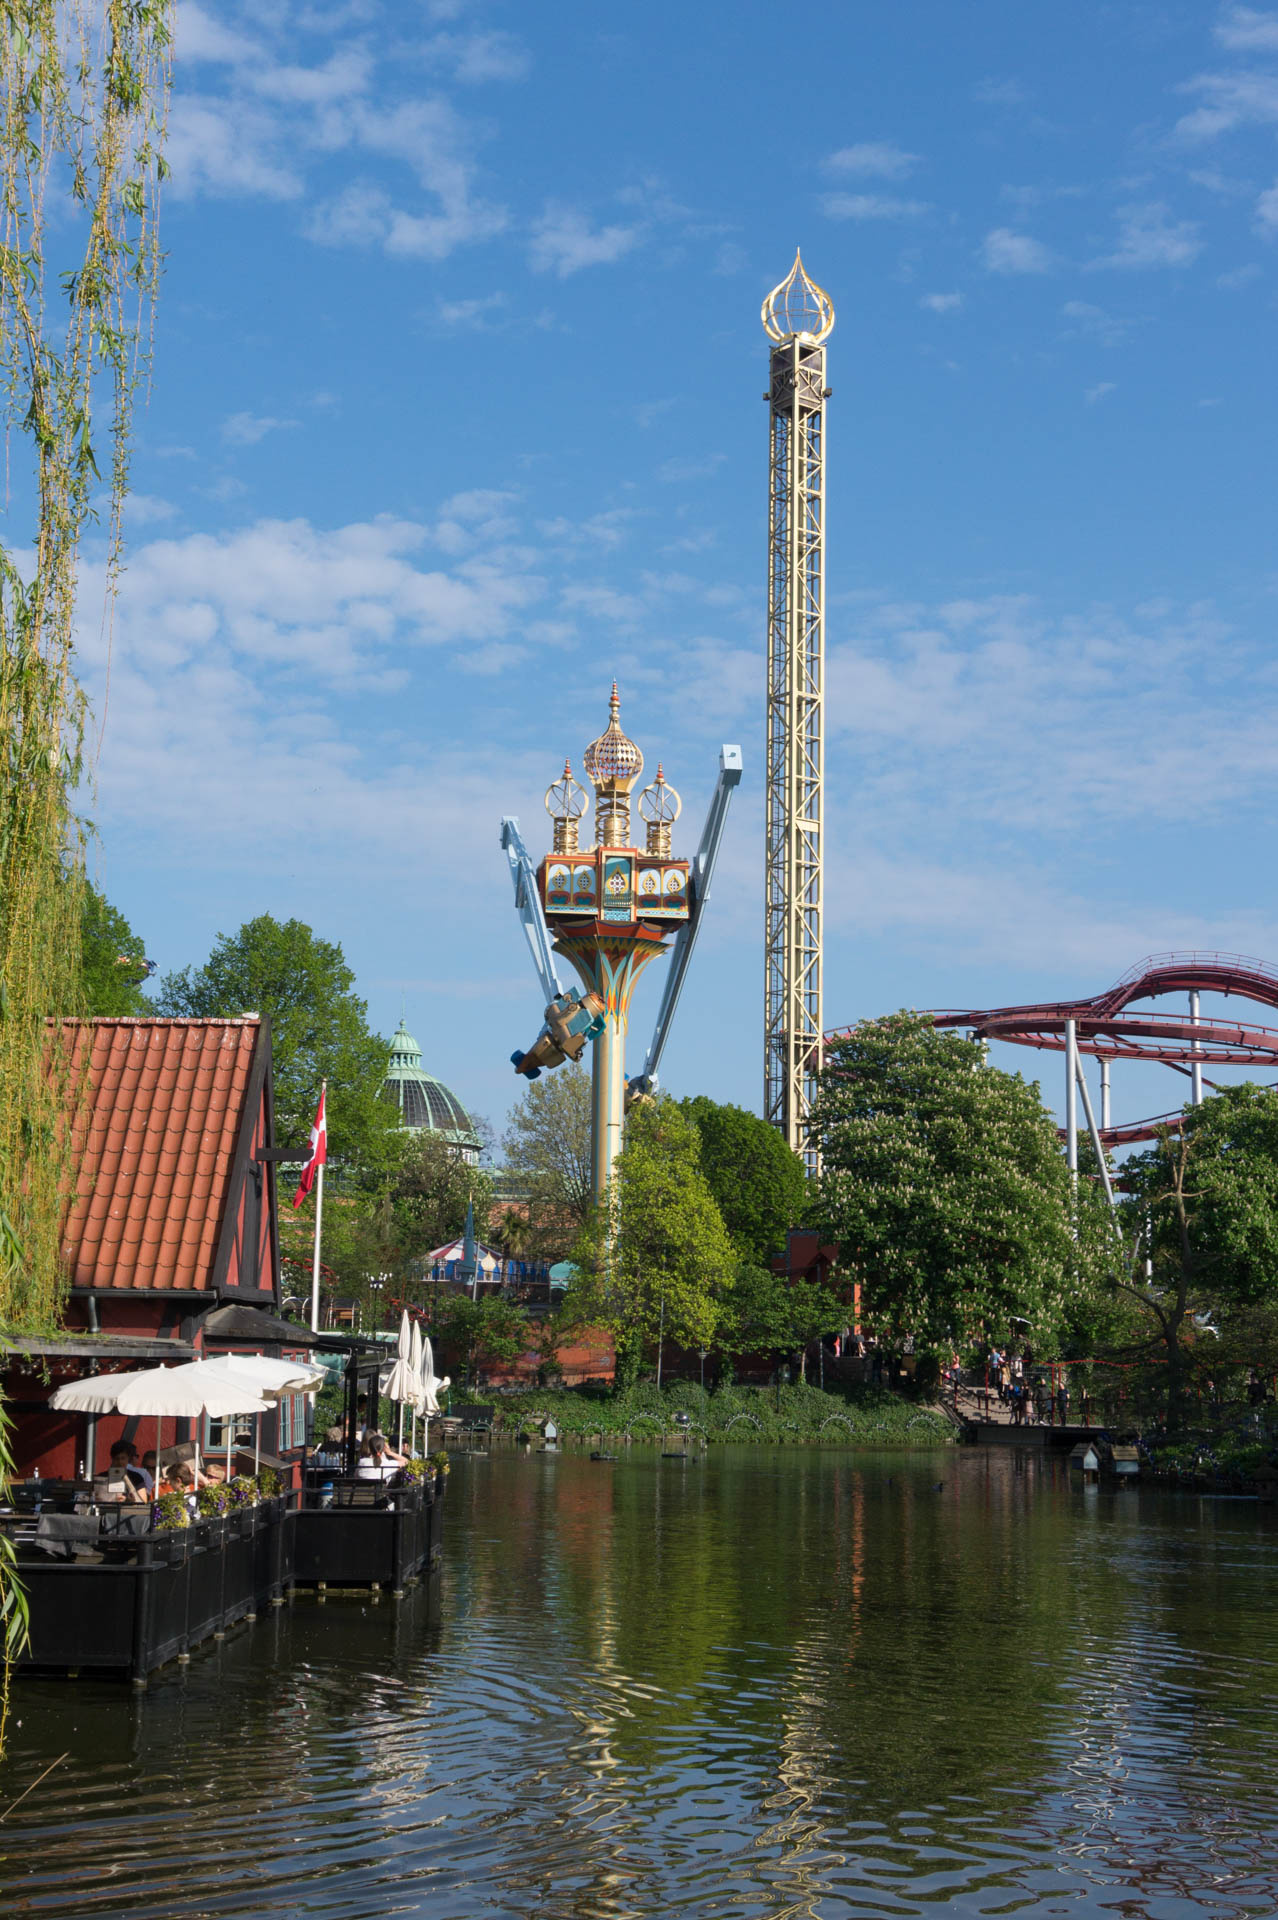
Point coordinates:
[(763, 1685)]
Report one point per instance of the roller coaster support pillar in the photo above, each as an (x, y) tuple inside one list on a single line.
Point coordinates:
[(1097, 1148), (1104, 1067), (1196, 1069), (1071, 1100)]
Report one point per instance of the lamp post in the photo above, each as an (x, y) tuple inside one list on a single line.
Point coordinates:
[(783, 1378)]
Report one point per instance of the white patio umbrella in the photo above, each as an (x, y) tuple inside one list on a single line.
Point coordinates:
[(415, 1366), (432, 1387), (93, 1395), (272, 1379), (400, 1384), (186, 1393)]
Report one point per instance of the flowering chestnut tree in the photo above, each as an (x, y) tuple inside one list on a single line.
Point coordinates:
[(944, 1183)]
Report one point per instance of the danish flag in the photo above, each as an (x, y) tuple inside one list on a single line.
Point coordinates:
[(318, 1154)]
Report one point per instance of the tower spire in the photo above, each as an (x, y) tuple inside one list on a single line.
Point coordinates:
[(798, 317)]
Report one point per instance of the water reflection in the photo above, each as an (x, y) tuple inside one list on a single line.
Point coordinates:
[(756, 1685)]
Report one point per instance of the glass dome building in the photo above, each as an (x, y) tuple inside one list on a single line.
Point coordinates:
[(425, 1104)]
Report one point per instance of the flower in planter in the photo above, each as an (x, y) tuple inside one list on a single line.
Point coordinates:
[(170, 1512), (242, 1491), (268, 1483), (212, 1500)]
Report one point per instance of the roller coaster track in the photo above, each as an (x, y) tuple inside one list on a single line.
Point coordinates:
[(1107, 1027)]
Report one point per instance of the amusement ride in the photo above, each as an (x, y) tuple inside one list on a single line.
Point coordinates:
[(611, 908)]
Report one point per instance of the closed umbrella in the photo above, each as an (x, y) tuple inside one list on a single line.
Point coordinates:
[(415, 1367), (432, 1387), (400, 1384)]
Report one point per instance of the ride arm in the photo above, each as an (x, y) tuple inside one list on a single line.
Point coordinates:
[(684, 941), (528, 907)]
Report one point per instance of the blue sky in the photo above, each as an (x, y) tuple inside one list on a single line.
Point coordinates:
[(456, 414)]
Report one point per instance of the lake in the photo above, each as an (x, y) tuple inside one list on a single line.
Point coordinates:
[(763, 1684)]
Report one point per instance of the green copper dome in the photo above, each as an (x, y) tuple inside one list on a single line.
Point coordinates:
[(425, 1104)]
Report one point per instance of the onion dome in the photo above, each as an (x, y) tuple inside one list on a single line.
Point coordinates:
[(613, 762), (660, 806), (425, 1104), (565, 803), (798, 307)]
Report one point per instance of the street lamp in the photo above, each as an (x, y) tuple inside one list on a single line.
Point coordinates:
[(783, 1377)]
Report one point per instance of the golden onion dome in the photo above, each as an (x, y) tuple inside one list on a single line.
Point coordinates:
[(798, 306), (613, 759)]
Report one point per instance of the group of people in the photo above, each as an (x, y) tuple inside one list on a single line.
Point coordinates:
[(132, 1484)]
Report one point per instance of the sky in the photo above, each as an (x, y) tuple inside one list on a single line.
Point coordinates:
[(456, 415)]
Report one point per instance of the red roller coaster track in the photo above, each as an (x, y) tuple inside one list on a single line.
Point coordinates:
[(1107, 1029)]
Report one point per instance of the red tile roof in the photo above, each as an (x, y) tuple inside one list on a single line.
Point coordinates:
[(163, 1111)]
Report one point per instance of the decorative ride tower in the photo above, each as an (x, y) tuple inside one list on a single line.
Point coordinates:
[(611, 908), (798, 318)]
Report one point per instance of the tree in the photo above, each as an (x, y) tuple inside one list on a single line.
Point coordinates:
[(429, 1195), (764, 1312), (656, 1256), (319, 1031), (547, 1143), (83, 101), (761, 1186), (1202, 1207), (113, 962), (478, 1333), (944, 1183)]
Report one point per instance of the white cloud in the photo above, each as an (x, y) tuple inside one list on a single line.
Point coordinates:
[(563, 241), (1095, 322), (277, 124), (1267, 212), (475, 58), (1245, 29), (463, 313), (246, 429), (1148, 237), (871, 206), (227, 148), (878, 157), (999, 93), (1098, 392), (1004, 251), (145, 509), (1233, 100), (942, 302)]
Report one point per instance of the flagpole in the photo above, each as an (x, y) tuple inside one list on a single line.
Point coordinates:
[(319, 1220)]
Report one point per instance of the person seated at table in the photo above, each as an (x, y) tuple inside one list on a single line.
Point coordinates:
[(186, 1477), (148, 1469), (376, 1461), (124, 1480)]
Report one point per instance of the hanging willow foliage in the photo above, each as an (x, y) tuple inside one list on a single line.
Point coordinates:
[(85, 92)]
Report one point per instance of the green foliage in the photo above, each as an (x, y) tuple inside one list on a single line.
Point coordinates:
[(113, 960), (478, 1333), (429, 1194), (655, 1260), (547, 1144), (268, 1483), (1202, 1205), (799, 1414), (760, 1186), (944, 1183), (763, 1312), (171, 1512), (319, 1031), (83, 94)]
